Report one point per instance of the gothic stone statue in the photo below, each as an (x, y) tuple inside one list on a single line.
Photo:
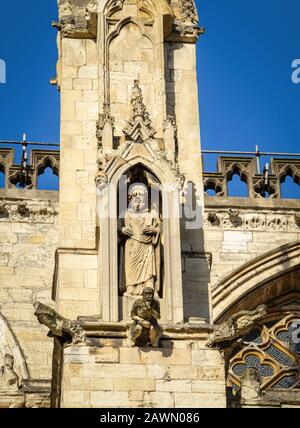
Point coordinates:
[(251, 384), (142, 254), (9, 380), (58, 325), (145, 314)]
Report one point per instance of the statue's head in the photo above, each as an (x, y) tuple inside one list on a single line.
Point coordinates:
[(148, 295), (138, 196), (9, 361)]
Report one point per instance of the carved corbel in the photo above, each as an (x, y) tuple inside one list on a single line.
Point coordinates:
[(214, 219), (4, 212), (139, 127), (23, 209), (235, 218)]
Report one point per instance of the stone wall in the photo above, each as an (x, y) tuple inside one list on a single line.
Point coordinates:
[(238, 230), (28, 240), (181, 374)]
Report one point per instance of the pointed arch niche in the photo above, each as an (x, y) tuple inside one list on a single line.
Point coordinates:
[(139, 163), (131, 48)]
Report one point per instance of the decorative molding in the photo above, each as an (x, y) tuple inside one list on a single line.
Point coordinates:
[(26, 211), (77, 20), (189, 12), (139, 128), (260, 186), (246, 220), (188, 25), (257, 281)]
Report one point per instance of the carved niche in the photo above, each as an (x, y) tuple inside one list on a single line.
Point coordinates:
[(138, 193)]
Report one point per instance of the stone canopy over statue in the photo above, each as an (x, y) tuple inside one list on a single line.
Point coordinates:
[(142, 259)]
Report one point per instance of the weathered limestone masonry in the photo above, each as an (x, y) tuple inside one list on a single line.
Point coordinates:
[(238, 231), (28, 240), (127, 76)]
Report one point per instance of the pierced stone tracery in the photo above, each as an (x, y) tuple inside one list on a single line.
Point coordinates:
[(273, 351)]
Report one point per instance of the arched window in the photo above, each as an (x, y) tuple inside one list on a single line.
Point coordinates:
[(47, 176), (237, 186), (290, 187)]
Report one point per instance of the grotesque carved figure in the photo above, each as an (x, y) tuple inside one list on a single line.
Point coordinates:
[(251, 383), (237, 325), (9, 380), (142, 261), (58, 325), (145, 314)]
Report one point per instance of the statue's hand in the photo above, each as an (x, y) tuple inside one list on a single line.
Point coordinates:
[(127, 231), (146, 324), (150, 230)]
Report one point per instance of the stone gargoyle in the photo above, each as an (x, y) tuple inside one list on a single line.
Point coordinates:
[(236, 326), (58, 325)]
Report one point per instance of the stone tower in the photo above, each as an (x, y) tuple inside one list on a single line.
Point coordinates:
[(127, 78), (130, 138)]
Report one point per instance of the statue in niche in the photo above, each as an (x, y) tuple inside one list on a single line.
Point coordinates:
[(251, 384), (9, 380), (145, 314), (141, 230)]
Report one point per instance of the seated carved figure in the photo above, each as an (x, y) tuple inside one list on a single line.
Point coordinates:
[(145, 314), (9, 380)]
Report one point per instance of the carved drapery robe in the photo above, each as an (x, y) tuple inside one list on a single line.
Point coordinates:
[(142, 253)]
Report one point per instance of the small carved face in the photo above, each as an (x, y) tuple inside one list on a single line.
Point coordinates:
[(138, 197), (9, 361), (148, 295)]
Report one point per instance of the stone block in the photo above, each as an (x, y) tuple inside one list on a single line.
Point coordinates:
[(88, 384), (37, 239), (71, 397), (136, 395), (159, 399), (206, 357), (106, 355), (114, 370), (174, 385), (159, 356), (213, 386), (130, 384), (198, 400), (109, 399), (88, 72), (84, 84)]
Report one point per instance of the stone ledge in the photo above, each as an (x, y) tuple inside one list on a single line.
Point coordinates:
[(96, 328), (250, 203)]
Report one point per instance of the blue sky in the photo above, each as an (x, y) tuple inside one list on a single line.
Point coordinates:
[(244, 70)]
